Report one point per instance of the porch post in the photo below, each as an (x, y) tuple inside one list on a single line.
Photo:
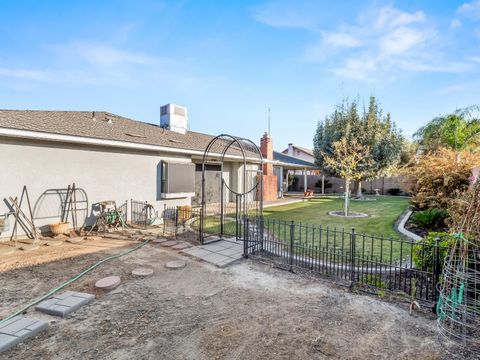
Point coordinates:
[(305, 179), (323, 184), (281, 181)]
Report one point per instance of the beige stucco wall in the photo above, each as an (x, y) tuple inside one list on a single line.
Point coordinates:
[(104, 173)]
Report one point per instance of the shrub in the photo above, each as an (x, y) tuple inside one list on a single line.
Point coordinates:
[(424, 250), (326, 184), (440, 177), (394, 191), (430, 219)]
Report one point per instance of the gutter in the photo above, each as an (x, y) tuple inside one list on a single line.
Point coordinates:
[(35, 135)]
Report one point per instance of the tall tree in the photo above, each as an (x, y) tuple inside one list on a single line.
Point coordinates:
[(349, 159), (372, 129), (457, 131)]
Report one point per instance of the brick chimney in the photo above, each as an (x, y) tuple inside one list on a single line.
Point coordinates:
[(266, 147), (269, 180)]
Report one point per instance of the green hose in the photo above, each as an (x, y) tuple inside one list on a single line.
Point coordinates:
[(61, 286)]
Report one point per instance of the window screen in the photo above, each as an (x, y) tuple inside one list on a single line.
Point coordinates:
[(178, 178)]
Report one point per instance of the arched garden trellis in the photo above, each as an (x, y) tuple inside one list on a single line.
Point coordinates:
[(226, 200)]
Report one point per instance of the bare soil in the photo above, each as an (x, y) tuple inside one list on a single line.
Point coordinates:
[(246, 311)]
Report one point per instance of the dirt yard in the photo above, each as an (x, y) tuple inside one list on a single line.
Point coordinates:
[(245, 311)]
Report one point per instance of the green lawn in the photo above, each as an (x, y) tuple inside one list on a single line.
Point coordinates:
[(383, 214), (331, 235)]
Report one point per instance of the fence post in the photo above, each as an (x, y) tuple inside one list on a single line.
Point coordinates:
[(353, 239), (436, 274), (262, 223), (176, 221), (246, 236), (164, 217), (292, 235)]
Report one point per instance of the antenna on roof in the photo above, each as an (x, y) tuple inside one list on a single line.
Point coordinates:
[(269, 121)]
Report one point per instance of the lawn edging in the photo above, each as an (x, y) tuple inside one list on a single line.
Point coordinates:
[(401, 227)]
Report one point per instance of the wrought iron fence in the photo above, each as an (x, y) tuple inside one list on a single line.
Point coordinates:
[(181, 220), (138, 212), (366, 260)]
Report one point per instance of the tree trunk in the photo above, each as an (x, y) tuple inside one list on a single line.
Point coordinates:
[(347, 192), (359, 190)]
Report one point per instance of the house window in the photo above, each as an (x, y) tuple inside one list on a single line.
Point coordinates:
[(177, 179), (208, 167)]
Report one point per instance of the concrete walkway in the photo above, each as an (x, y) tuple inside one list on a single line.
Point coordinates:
[(219, 253)]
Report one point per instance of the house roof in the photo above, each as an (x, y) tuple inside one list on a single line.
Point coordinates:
[(305, 150), (291, 161), (106, 126)]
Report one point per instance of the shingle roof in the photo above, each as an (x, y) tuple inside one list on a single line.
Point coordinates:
[(106, 126), (290, 160), (305, 150)]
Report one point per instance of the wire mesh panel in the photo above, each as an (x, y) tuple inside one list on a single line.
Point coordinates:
[(458, 308)]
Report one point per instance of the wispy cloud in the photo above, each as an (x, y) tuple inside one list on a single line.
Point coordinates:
[(307, 14), (341, 39), (389, 17), (105, 54), (25, 74), (451, 89), (382, 44), (470, 9)]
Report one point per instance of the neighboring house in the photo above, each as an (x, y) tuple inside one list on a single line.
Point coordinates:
[(299, 153), (109, 156)]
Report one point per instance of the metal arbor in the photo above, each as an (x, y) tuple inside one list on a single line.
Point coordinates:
[(227, 201)]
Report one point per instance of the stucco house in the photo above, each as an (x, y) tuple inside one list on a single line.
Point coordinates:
[(110, 157)]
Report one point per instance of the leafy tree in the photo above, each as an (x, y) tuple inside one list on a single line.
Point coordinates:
[(372, 130), (457, 131), (440, 176), (348, 159)]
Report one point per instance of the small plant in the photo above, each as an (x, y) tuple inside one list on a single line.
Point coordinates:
[(413, 296), (424, 251), (430, 219), (394, 191), (374, 280)]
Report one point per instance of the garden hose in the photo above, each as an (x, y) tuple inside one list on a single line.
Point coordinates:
[(71, 280)]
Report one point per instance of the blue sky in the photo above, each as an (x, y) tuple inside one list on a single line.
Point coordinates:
[(228, 61)]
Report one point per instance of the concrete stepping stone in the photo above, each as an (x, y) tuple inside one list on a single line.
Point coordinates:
[(17, 330), (169, 243), (175, 264), (53, 242), (182, 246), (108, 283), (142, 272), (7, 250), (75, 240), (29, 247), (160, 240), (65, 303)]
